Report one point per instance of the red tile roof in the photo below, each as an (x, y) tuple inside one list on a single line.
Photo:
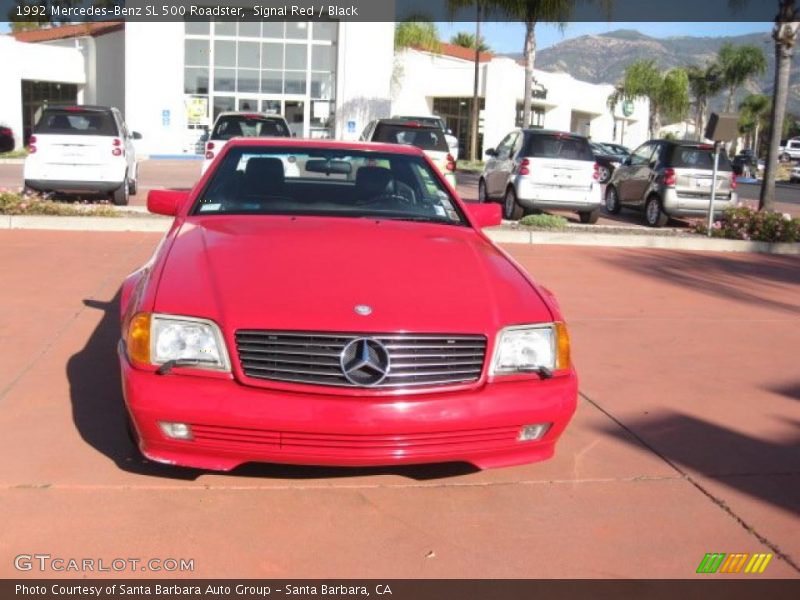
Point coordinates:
[(454, 51), (69, 31)]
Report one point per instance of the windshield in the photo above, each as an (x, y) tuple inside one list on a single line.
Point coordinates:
[(75, 121), (327, 182), (424, 138), (228, 127)]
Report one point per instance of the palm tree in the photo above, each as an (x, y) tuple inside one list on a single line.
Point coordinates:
[(785, 35), (667, 91), (467, 40), (704, 84), (753, 112), (737, 65)]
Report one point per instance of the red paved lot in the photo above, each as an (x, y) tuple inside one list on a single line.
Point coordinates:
[(685, 441)]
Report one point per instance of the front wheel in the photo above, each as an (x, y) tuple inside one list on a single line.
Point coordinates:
[(511, 208), (589, 217), (483, 196), (654, 215)]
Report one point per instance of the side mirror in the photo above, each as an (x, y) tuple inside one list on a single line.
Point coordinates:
[(136, 135), (626, 162), (485, 215), (490, 152), (166, 202), (449, 132)]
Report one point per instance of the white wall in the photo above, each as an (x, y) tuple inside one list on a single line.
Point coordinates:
[(364, 75), (110, 70), (153, 84), (36, 62)]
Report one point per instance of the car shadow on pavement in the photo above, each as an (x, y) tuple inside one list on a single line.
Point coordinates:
[(761, 469), (98, 412), (727, 277)]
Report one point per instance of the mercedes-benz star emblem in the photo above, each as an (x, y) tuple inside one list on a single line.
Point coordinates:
[(362, 309), (365, 362)]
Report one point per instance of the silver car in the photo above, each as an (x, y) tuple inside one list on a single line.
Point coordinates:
[(535, 169), (666, 178)]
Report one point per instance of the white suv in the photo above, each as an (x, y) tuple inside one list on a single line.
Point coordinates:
[(229, 125), (534, 169), (82, 149)]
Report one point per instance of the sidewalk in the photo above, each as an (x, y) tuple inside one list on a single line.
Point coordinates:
[(685, 441)]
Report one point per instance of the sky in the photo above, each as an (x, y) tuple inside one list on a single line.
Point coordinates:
[(508, 37)]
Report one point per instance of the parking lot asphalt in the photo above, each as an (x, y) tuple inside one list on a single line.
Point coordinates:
[(686, 439), (159, 174)]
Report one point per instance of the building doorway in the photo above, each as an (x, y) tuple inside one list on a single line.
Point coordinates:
[(38, 94), (457, 113)]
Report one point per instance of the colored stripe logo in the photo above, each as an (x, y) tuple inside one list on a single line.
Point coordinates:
[(719, 562)]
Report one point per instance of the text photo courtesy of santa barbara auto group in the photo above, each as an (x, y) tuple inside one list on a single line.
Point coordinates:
[(442, 299)]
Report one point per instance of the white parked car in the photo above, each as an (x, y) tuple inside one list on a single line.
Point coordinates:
[(538, 169), (452, 141), (427, 137), (789, 150), (229, 125), (795, 175), (82, 149)]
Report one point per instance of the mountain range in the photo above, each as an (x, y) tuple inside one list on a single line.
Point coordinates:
[(603, 58)]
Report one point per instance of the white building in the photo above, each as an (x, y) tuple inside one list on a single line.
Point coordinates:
[(443, 82), (328, 78)]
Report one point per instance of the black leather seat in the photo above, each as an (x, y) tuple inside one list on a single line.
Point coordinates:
[(372, 182)]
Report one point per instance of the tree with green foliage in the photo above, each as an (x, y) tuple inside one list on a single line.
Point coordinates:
[(704, 83), (417, 33), (467, 40), (754, 110), (737, 66), (667, 91), (784, 33)]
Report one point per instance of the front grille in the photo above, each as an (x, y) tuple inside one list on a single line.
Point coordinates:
[(315, 358)]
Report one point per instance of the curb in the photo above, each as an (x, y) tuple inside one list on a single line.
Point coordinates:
[(145, 224), (499, 235), (640, 241)]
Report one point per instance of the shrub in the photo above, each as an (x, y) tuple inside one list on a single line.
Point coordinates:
[(13, 203), (745, 223), (544, 221)]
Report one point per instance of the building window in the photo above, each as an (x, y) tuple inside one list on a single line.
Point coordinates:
[(288, 67), (537, 116)]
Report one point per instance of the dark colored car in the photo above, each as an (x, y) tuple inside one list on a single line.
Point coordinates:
[(667, 178), (607, 161), (6, 139), (745, 162)]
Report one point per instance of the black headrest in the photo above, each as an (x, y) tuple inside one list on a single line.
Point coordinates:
[(61, 122), (263, 175), (373, 180)]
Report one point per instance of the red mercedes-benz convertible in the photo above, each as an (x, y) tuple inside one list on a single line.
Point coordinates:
[(331, 303)]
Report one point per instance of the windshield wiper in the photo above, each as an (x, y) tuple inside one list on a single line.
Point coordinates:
[(183, 362), (416, 219)]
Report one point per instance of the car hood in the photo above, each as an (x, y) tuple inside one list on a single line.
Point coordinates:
[(309, 273)]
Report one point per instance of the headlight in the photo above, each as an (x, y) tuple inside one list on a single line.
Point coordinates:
[(526, 348), (156, 339)]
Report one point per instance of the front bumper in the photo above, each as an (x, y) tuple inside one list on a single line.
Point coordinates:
[(235, 424)]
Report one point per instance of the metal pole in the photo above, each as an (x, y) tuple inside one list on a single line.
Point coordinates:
[(475, 114), (713, 188)]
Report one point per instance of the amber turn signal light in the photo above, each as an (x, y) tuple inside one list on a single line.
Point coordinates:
[(138, 340), (563, 360)]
